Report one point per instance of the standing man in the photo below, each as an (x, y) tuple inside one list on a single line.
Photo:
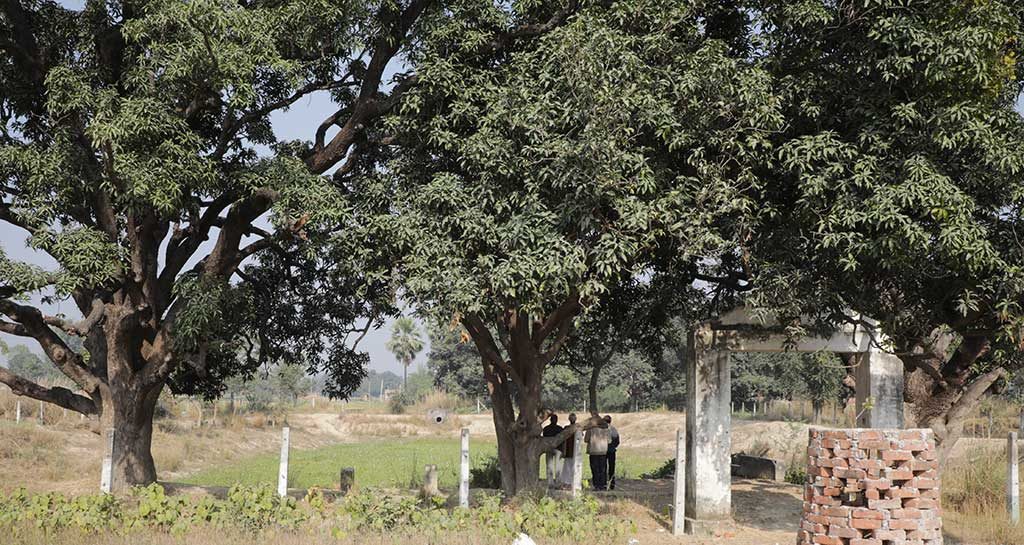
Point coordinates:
[(613, 445), (568, 452), (597, 447), (554, 456)]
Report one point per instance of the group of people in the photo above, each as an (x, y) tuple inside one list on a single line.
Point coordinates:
[(602, 443)]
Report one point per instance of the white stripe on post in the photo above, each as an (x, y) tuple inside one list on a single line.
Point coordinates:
[(1012, 479), (464, 470), (577, 464), (282, 472), (17, 412), (679, 492), (107, 471)]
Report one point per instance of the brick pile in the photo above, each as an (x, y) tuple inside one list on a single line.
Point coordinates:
[(871, 487)]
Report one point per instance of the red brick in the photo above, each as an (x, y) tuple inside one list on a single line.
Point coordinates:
[(862, 513), (890, 535), (871, 494), (884, 504), (906, 513), (870, 435), (924, 483), (836, 531), (866, 524), (827, 540), (866, 464), (921, 503), (914, 445), (874, 444), (902, 492), (865, 542), (895, 455), (904, 524), (825, 500), (842, 511), (879, 484), (899, 474), (911, 435)]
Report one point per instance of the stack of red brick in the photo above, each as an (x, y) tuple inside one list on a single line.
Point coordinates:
[(871, 487)]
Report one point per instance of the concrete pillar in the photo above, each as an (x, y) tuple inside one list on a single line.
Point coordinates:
[(430, 488), (708, 422), (348, 480), (1012, 479), (282, 470), (554, 463), (679, 492), (464, 470), (879, 378), (577, 464)]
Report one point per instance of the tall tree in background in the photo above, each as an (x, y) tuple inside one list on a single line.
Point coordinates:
[(130, 138), (529, 183), (405, 344)]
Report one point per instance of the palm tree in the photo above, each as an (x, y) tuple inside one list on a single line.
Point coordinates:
[(405, 343)]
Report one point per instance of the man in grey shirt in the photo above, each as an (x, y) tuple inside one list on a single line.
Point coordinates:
[(597, 447)]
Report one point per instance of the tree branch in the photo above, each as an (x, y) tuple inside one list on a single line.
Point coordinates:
[(69, 362), (61, 397), (82, 327), (566, 310)]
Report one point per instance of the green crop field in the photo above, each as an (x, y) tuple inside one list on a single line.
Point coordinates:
[(390, 462)]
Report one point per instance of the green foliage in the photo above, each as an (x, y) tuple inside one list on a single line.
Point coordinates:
[(400, 402), (248, 508), (25, 363), (665, 471), (405, 341), (485, 473), (254, 509), (796, 474)]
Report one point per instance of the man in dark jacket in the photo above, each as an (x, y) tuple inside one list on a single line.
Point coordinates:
[(613, 445)]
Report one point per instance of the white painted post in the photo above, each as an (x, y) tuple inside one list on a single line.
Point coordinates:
[(40, 413), (17, 412), (107, 470), (464, 470), (282, 471), (577, 464), (1012, 479), (679, 493)]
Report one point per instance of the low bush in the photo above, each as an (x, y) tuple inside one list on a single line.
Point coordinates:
[(485, 473), (665, 471), (258, 509)]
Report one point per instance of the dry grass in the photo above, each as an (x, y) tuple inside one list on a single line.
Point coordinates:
[(974, 498)]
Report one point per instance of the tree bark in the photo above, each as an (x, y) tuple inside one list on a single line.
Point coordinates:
[(130, 414)]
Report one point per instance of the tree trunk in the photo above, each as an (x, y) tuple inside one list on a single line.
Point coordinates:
[(130, 414), (595, 376), (817, 406), (945, 407)]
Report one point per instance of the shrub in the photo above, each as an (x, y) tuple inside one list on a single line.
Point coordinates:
[(665, 471), (485, 473), (400, 402)]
